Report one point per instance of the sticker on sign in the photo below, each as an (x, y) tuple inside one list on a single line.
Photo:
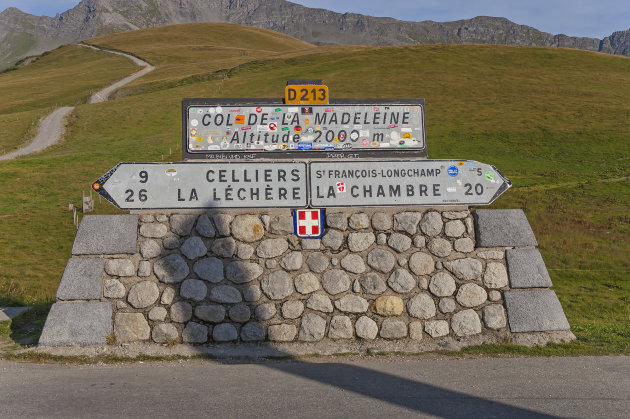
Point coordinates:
[(135, 186), (397, 183)]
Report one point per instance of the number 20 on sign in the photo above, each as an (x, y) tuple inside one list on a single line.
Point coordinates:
[(306, 94)]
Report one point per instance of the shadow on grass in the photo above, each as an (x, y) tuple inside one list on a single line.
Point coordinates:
[(26, 328)]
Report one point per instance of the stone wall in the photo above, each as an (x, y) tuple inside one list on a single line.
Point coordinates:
[(411, 279)]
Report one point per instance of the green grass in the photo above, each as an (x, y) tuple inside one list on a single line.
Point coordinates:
[(553, 120)]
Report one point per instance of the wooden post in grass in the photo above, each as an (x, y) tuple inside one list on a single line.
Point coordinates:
[(88, 204)]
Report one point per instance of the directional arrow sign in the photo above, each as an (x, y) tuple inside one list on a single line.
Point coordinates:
[(136, 186), (404, 183)]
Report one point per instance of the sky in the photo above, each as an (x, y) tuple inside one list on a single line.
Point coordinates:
[(592, 18)]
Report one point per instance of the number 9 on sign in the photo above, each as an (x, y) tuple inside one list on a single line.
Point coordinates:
[(306, 94)]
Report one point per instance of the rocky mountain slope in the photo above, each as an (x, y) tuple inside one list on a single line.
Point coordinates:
[(22, 34)]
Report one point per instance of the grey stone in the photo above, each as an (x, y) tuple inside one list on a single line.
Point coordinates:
[(320, 302), (527, 269), (281, 332), (252, 332), (494, 295), (222, 223), (421, 263), (494, 316), (471, 295), (442, 285), (466, 323), (147, 218), (469, 226), (150, 249), (78, 324), (366, 328), (495, 275), (439, 247), (381, 221), (120, 267), (277, 285), (352, 304), (359, 221), (317, 262), (358, 242), (171, 269), (312, 328), (157, 314), (353, 263), (144, 268), (292, 309), (464, 245), (402, 261), (182, 224), (491, 254), (265, 218), (431, 223), (209, 269), (388, 305), (399, 242), (243, 272), (337, 220), (334, 261), (311, 244), (436, 328), (271, 263), (306, 283), (213, 313), (534, 311), (244, 251), (204, 226), (181, 312), (225, 294), (164, 333), (381, 239), (446, 305), (171, 242), (381, 260), (340, 328), (161, 218), (393, 329), (335, 281), (82, 279), (224, 247), (247, 228), (106, 235), (112, 288), (415, 330), (454, 228), (193, 289), (455, 215), (153, 230), (271, 248), (194, 248), (466, 269), (419, 241), (167, 296), (372, 283), (224, 332), (265, 311), (333, 239), (252, 293), (143, 294), (282, 224), (239, 313), (401, 281), (503, 228), (407, 221), (195, 333), (292, 261), (421, 306)]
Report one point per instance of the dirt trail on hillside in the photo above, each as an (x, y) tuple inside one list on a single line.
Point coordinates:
[(51, 128)]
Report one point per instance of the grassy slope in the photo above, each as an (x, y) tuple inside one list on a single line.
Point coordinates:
[(554, 121), (65, 77)]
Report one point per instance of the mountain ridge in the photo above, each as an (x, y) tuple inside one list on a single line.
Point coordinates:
[(22, 34)]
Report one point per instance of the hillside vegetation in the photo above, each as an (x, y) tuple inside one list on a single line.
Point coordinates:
[(552, 120)]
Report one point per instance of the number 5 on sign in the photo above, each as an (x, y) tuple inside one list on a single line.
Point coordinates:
[(306, 94)]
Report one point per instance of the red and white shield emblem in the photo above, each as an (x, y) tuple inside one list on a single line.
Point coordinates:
[(308, 223)]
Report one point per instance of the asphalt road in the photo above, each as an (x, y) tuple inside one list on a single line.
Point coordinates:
[(587, 387)]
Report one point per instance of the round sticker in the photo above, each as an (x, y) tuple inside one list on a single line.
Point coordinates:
[(194, 122), (354, 135), (273, 126), (365, 142), (489, 176), (259, 109), (452, 171), (212, 110), (342, 136), (297, 129), (219, 109)]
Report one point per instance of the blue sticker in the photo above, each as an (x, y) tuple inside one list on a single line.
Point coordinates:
[(305, 146), (329, 148), (452, 171)]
